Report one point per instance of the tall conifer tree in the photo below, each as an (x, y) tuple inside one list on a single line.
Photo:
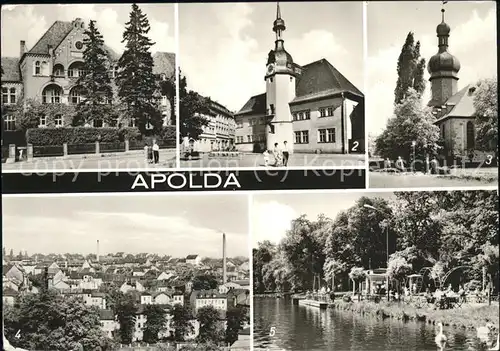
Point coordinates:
[(136, 82), (410, 70), (94, 81)]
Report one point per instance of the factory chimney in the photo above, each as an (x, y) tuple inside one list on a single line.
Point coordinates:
[(97, 253), (224, 273)]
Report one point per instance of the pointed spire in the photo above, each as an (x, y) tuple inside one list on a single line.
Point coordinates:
[(442, 15), (278, 11)]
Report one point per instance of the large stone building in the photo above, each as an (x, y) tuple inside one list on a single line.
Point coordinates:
[(218, 134), (312, 107), (453, 108), (49, 70)]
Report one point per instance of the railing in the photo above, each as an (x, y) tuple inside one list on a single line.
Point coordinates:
[(112, 147), (79, 149), (48, 151)]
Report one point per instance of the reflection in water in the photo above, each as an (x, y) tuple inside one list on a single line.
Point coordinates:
[(299, 328)]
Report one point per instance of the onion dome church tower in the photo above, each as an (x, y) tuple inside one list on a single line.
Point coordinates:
[(281, 73), (443, 68)]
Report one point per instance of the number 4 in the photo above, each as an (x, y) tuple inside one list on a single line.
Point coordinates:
[(272, 331), (18, 334), (355, 146)]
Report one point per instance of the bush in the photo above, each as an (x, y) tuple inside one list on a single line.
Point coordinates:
[(82, 135)]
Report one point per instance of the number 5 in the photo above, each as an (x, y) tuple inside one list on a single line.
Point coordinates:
[(355, 146), (272, 331)]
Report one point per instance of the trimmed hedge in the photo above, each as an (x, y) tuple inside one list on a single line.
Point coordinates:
[(82, 135)]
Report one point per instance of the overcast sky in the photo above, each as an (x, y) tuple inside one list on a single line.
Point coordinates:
[(175, 225), (472, 40), (224, 46), (29, 22), (272, 214)]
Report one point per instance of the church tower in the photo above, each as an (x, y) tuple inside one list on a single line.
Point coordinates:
[(280, 90), (443, 68)]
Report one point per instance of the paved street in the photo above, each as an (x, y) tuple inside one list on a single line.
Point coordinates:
[(296, 160), (458, 177), (116, 161)]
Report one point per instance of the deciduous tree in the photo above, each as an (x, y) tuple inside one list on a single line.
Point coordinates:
[(156, 320), (181, 319), (210, 327), (486, 112), (126, 309)]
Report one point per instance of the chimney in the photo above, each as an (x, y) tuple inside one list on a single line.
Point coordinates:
[(97, 254), (22, 48), (50, 49), (224, 274)]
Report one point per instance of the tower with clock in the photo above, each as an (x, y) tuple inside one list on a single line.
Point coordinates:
[(281, 73)]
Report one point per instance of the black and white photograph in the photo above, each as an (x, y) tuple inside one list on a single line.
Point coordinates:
[(150, 273), (432, 102), (88, 86), (375, 271), (262, 85)]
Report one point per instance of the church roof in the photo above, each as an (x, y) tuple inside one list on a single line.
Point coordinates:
[(53, 37), (11, 72), (164, 62), (462, 104), (318, 80)]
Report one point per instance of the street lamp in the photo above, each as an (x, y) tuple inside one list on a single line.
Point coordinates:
[(386, 245)]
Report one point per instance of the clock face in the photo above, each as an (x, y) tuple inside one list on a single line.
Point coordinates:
[(270, 68), (79, 45)]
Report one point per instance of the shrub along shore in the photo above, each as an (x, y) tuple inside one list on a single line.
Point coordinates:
[(467, 317)]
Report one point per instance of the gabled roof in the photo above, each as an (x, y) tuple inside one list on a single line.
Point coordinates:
[(164, 62), (11, 71), (191, 257), (320, 79), (255, 105), (8, 291), (53, 37), (461, 104)]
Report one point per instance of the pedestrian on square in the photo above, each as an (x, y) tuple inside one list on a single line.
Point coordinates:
[(149, 153), (156, 152), (266, 157), (286, 154), (278, 155)]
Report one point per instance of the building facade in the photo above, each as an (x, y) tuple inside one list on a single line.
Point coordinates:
[(454, 109), (314, 108), (48, 73), (219, 133)]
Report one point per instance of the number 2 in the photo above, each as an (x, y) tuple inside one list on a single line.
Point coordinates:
[(489, 159), (272, 331), (355, 146)]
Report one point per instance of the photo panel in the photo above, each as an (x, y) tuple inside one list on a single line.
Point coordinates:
[(271, 88), (126, 272), (432, 94), (364, 270), (88, 87)]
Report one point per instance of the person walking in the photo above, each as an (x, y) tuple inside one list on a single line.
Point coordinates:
[(278, 155), (156, 152), (286, 154)]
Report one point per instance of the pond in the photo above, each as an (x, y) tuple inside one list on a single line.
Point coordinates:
[(280, 325)]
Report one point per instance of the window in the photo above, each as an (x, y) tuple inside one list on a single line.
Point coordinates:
[(75, 69), (52, 94), (5, 95), (9, 123), (249, 138), (38, 69), (326, 111), (239, 125), (308, 114), (43, 121), (45, 69), (326, 135), (75, 96), (164, 100), (58, 122), (302, 137), (470, 136), (262, 121), (443, 135), (98, 123), (12, 95), (58, 70)]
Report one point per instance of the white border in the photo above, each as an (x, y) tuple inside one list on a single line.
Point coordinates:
[(365, 87), (177, 80), (250, 260)]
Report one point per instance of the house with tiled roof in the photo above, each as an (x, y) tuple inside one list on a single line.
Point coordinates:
[(453, 109), (108, 322), (193, 259), (48, 72), (9, 296), (313, 107)]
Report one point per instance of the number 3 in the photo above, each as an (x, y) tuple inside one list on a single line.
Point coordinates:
[(355, 146), (272, 331), (489, 159)]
